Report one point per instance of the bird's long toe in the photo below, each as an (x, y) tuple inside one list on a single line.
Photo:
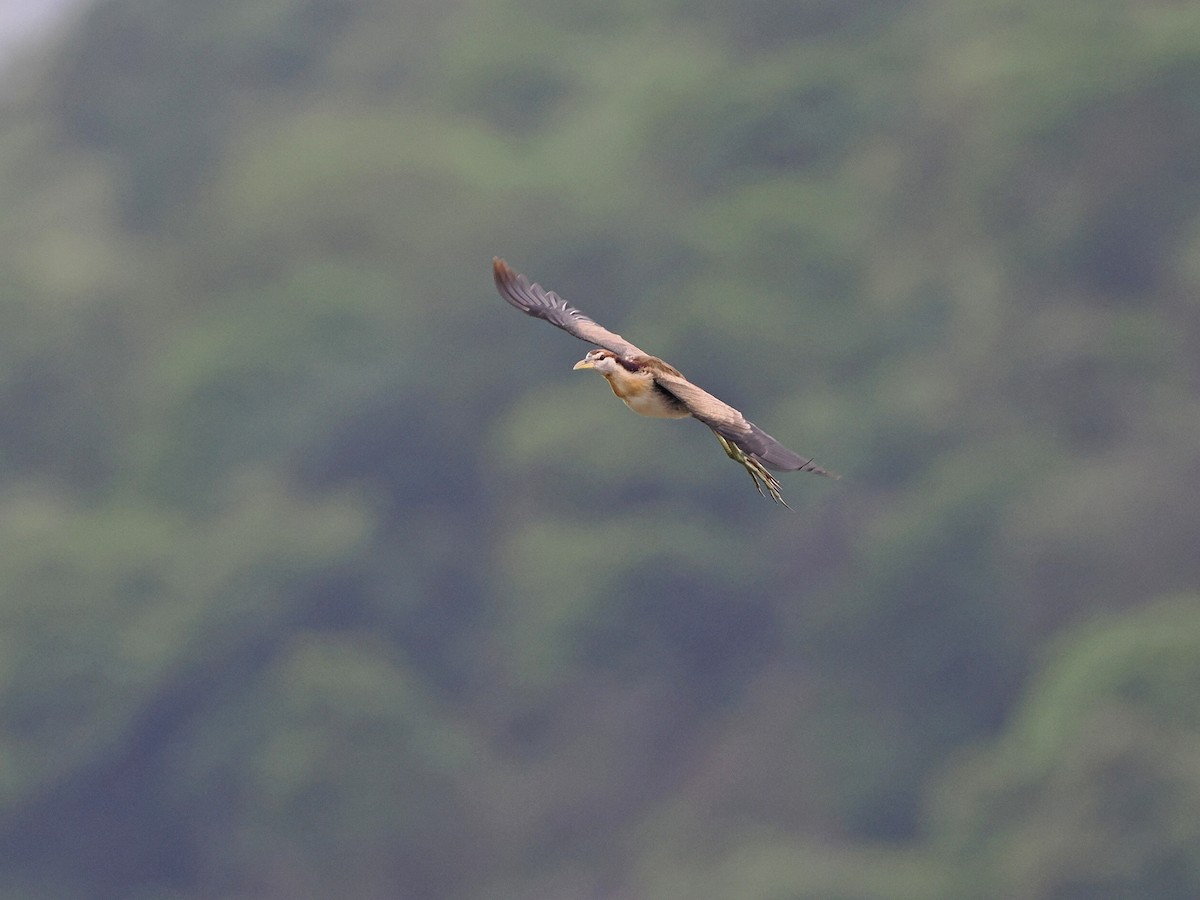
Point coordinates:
[(759, 474)]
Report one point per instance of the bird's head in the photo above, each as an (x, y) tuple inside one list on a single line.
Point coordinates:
[(603, 361)]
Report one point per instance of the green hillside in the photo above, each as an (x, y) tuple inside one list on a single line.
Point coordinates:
[(322, 575)]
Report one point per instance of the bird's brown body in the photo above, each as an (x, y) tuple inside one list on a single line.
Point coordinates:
[(651, 387), (633, 381)]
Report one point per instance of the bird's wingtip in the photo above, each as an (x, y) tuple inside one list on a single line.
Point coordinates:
[(504, 276), (817, 470)]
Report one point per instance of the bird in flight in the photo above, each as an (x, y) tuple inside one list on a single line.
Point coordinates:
[(651, 387)]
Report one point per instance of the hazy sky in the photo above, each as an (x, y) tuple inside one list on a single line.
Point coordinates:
[(24, 19)]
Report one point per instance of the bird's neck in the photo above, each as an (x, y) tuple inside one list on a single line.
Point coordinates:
[(639, 393), (626, 384)]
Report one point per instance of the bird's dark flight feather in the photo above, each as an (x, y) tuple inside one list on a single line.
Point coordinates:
[(732, 425), (534, 300), (771, 453)]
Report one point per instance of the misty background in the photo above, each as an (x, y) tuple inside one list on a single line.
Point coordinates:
[(322, 575)]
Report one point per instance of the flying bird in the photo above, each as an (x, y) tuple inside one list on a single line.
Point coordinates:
[(651, 387)]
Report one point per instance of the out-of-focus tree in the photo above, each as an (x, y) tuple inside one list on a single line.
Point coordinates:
[(1094, 791)]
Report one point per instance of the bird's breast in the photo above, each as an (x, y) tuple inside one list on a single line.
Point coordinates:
[(646, 398)]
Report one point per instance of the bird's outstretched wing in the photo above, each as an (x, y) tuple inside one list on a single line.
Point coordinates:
[(533, 300), (730, 424)]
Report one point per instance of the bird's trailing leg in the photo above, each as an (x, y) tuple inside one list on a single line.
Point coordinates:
[(759, 473)]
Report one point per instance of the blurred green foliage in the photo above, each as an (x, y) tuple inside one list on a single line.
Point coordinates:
[(1093, 792), (322, 575)]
